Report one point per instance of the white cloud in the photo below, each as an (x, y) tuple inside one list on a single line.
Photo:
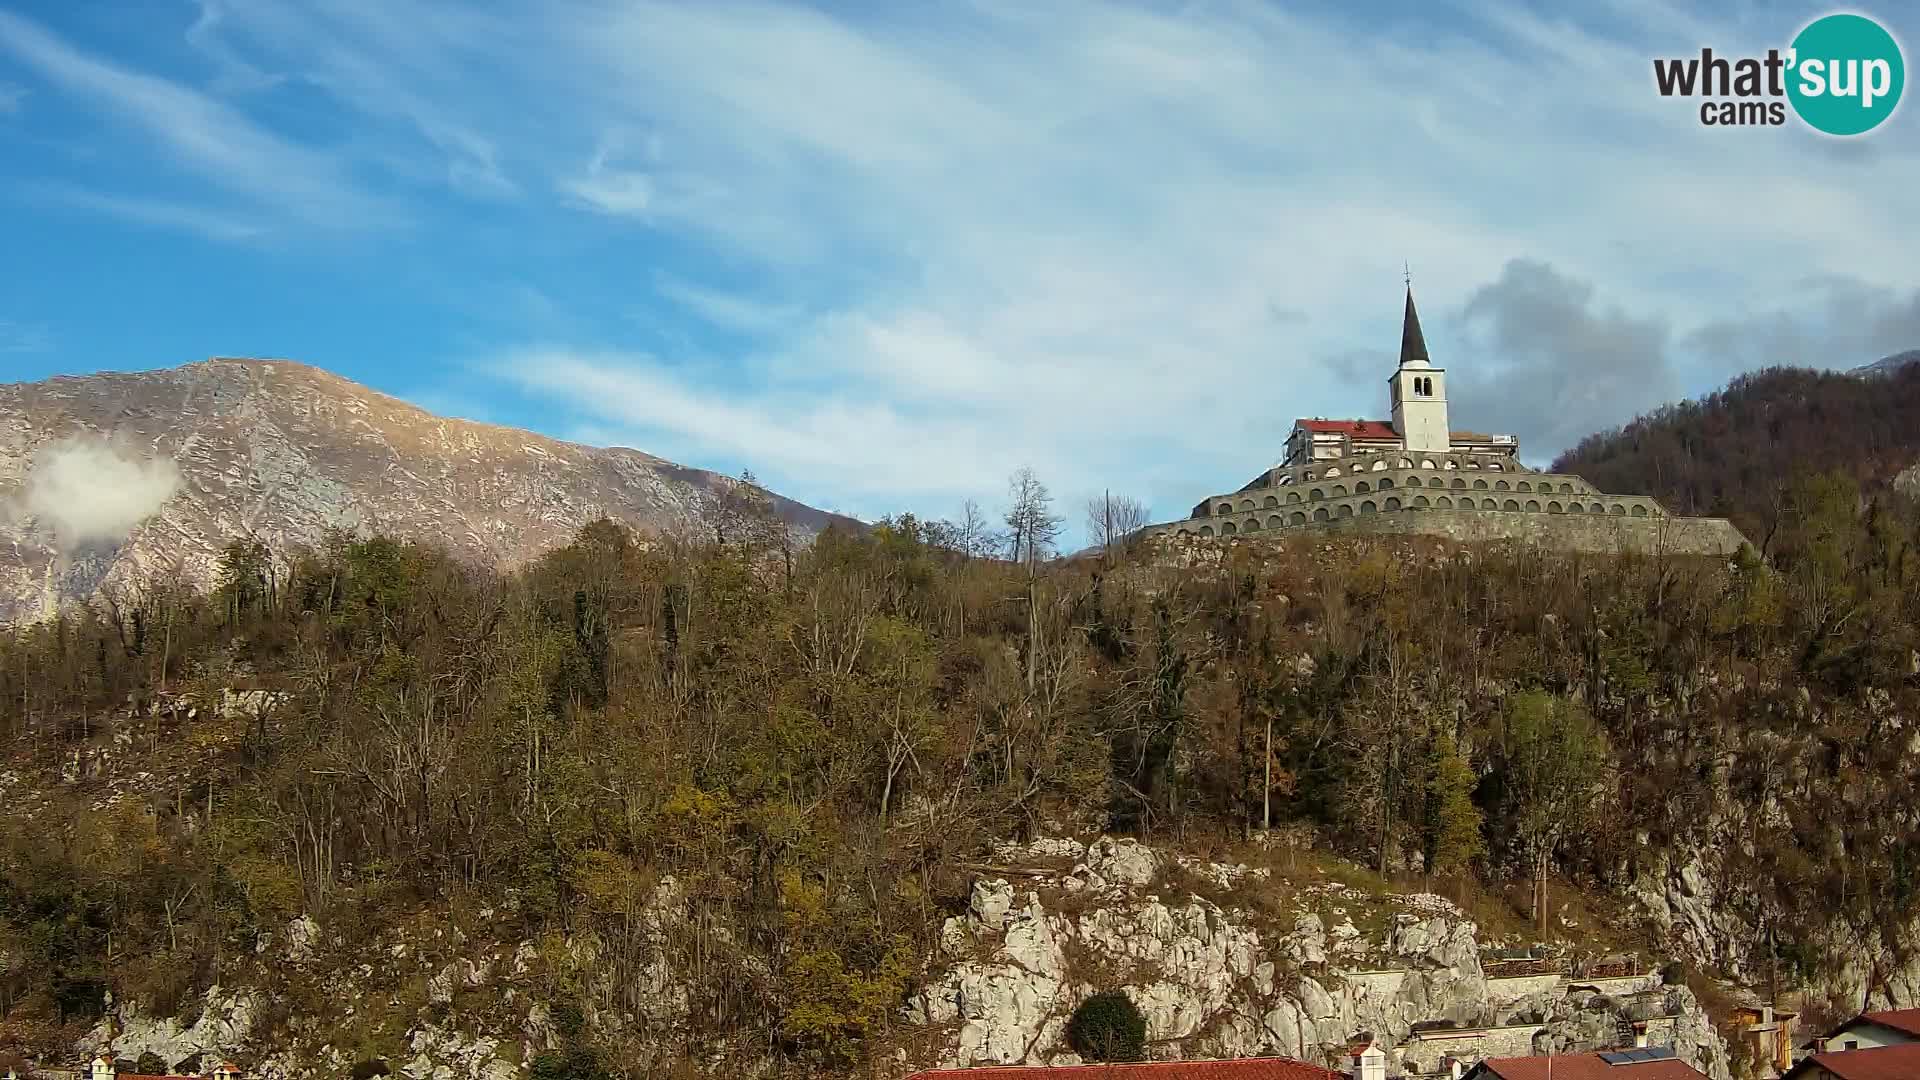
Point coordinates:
[(200, 133), (214, 223), (738, 312), (1125, 242), (89, 490), (410, 65)]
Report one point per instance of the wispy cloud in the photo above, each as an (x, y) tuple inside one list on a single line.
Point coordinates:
[(236, 75), (738, 312), (411, 66), (213, 223), (201, 134)]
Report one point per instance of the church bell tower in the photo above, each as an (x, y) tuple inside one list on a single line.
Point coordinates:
[(1419, 391)]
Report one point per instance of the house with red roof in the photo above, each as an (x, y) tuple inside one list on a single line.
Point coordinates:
[(1888, 1027), (1897, 1061), (1657, 1063), (1236, 1069)]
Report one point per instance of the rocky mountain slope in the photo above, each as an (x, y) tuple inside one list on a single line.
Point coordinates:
[(1887, 365), (120, 478)]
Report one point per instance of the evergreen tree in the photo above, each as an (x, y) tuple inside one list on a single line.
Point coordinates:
[(1457, 839)]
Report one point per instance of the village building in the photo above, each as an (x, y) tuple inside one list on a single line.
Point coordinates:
[(1415, 474), (1655, 1063), (1890, 1027), (105, 1067), (1898, 1061), (1236, 1069), (1768, 1032)]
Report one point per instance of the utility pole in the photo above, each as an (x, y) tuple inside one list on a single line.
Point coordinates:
[(1266, 790)]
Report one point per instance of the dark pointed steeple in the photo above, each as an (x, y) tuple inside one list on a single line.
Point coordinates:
[(1413, 344)]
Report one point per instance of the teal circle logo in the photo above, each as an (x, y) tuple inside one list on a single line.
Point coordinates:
[(1846, 74)]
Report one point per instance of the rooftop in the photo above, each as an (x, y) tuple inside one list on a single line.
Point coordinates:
[(1358, 429), (1900, 1062), (1907, 1020), (1650, 1064), (1241, 1069)]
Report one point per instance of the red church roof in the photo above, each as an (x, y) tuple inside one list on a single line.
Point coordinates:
[(1242, 1069), (1353, 429)]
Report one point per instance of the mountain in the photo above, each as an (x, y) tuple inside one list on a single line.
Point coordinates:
[(116, 478), (1726, 454), (1887, 365)]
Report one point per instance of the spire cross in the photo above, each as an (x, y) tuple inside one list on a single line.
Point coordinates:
[(1409, 275)]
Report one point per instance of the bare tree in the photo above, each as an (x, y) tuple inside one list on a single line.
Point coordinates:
[(1113, 519), (1032, 529), (1032, 526), (973, 535)]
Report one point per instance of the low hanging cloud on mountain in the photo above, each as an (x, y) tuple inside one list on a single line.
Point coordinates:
[(89, 491)]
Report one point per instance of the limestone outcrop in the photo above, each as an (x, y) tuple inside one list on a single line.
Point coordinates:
[(1226, 974)]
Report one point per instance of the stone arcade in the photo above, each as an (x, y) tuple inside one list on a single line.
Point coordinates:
[(1414, 474)]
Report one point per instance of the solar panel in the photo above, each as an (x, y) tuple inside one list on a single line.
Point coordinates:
[(1636, 1056)]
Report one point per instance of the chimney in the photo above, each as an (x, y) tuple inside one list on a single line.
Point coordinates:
[(1640, 1039), (1370, 1063), (102, 1068)]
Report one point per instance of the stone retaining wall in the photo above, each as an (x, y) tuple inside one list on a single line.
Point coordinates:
[(1506, 989), (1608, 532)]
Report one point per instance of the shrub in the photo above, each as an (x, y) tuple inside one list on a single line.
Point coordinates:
[(1108, 1027), (151, 1064), (368, 1069)]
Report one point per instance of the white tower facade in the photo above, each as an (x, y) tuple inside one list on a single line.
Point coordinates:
[(1419, 391)]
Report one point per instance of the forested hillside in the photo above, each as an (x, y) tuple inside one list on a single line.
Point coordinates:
[(1727, 454), (816, 744)]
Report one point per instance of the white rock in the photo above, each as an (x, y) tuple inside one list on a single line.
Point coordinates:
[(302, 933), (1123, 862)]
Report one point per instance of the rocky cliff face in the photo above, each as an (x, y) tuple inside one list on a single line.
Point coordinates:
[(163, 468), (1300, 980)]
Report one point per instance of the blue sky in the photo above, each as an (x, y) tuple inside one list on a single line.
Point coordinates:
[(884, 254)]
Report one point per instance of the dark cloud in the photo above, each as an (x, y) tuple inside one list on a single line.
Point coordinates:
[(1542, 360), (1842, 322)]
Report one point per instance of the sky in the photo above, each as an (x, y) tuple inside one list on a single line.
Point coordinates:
[(885, 254)]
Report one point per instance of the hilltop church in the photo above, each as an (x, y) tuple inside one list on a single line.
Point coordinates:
[(1414, 474)]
